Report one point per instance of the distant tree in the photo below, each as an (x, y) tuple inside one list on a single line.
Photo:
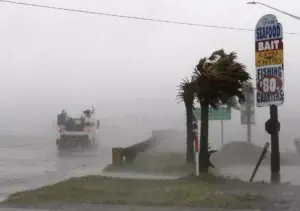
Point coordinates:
[(186, 94), (219, 79)]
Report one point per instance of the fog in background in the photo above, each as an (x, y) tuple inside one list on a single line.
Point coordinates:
[(129, 69)]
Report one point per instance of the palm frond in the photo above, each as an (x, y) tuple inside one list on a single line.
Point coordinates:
[(186, 92), (220, 78)]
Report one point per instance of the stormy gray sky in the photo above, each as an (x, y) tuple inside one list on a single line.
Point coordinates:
[(51, 60)]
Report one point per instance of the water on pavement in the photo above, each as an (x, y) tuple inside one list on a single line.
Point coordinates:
[(31, 163), (27, 164)]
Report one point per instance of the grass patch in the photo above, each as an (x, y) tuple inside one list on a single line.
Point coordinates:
[(104, 190), (156, 163)]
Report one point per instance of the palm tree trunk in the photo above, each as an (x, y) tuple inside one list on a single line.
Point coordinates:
[(189, 135), (204, 158)]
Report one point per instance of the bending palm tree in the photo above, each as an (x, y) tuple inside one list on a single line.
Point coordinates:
[(219, 80), (186, 93)]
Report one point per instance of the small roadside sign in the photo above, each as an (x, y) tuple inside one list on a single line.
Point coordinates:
[(222, 113), (196, 143)]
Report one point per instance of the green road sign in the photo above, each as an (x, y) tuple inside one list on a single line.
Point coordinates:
[(222, 113)]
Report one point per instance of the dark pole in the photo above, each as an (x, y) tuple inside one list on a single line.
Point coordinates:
[(248, 111), (262, 156), (249, 127), (275, 154), (222, 133)]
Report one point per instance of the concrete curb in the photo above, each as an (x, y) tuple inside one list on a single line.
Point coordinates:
[(132, 208), (24, 209)]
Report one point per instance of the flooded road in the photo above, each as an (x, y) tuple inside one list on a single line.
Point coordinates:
[(32, 162)]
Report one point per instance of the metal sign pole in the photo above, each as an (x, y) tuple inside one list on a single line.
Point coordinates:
[(222, 133), (270, 80), (248, 112), (197, 163), (275, 154), (196, 147)]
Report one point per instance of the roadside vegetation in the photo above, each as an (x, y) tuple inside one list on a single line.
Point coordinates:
[(217, 80), (156, 163), (207, 191)]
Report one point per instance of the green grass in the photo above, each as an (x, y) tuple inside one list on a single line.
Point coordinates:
[(190, 191), (156, 163)]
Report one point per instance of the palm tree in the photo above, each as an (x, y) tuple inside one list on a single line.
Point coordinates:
[(219, 80), (186, 93)]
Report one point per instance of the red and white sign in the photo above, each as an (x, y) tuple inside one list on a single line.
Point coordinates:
[(196, 144)]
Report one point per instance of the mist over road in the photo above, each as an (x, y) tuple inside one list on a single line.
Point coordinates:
[(32, 162)]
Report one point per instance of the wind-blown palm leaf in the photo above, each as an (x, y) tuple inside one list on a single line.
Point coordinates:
[(186, 92), (219, 80), (220, 77)]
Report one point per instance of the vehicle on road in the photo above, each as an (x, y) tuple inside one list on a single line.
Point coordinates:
[(82, 132), (297, 145)]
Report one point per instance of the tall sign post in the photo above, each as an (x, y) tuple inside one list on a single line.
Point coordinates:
[(222, 113), (196, 146), (248, 109), (269, 80)]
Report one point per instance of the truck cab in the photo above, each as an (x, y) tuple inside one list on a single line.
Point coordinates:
[(79, 132)]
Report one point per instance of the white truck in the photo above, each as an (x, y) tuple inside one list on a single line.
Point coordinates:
[(297, 145), (80, 132)]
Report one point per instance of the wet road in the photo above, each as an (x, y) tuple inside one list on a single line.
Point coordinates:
[(29, 163)]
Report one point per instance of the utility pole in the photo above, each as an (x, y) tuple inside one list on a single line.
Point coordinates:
[(248, 112), (247, 109)]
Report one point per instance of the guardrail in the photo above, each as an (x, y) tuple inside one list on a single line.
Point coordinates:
[(128, 154)]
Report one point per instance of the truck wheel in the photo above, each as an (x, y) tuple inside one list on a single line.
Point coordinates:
[(58, 144)]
